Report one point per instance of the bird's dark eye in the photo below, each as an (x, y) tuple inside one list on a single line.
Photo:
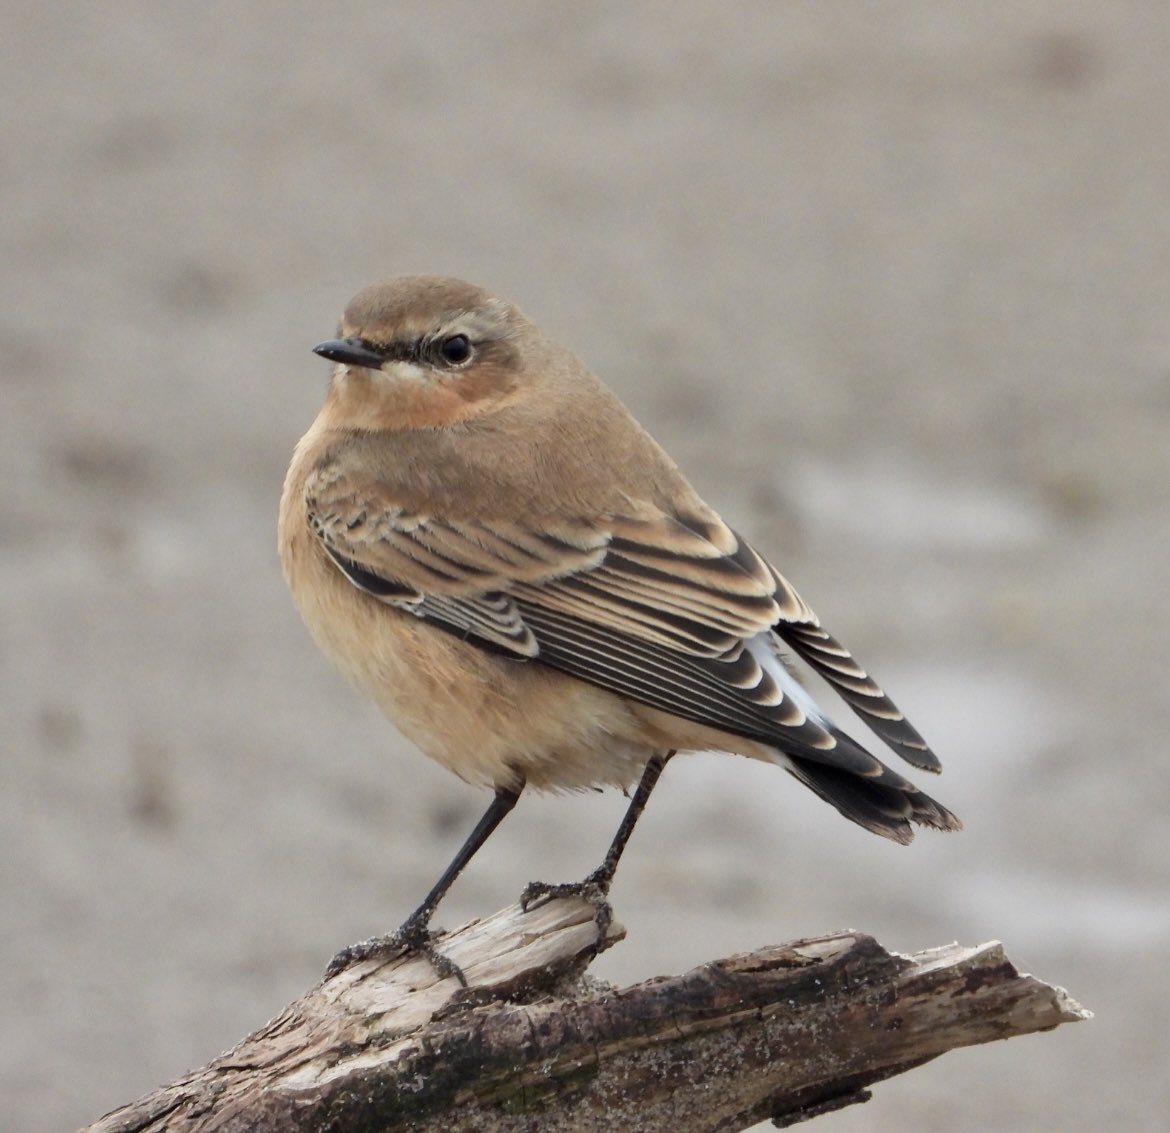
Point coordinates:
[(456, 349)]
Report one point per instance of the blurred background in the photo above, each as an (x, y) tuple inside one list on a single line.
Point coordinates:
[(891, 281)]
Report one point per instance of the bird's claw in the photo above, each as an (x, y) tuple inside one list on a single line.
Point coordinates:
[(410, 937), (594, 889)]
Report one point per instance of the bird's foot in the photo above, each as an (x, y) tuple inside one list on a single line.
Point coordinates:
[(594, 889), (414, 936)]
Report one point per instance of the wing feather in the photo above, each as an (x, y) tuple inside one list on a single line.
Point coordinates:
[(828, 657), (674, 611)]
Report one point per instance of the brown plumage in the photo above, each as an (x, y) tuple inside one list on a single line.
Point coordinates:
[(492, 548)]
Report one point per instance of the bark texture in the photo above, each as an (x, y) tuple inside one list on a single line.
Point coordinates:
[(786, 1032)]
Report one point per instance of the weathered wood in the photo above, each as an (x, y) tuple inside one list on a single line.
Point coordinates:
[(787, 1032)]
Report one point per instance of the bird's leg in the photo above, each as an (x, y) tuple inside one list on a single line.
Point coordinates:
[(415, 931), (595, 887)]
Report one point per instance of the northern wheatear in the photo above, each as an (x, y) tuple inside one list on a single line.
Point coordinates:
[(488, 544)]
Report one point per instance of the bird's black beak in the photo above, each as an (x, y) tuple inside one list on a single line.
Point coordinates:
[(351, 352)]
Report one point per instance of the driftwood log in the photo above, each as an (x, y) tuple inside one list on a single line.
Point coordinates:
[(786, 1033)]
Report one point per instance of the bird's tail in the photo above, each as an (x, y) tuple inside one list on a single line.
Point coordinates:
[(866, 791)]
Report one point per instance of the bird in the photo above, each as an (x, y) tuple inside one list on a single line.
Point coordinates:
[(490, 546)]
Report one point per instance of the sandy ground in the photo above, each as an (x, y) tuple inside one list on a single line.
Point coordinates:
[(890, 280)]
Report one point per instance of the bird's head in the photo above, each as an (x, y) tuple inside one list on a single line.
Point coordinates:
[(424, 351)]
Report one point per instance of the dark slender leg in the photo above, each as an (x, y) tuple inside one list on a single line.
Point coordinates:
[(603, 875), (414, 932), (598, 882)]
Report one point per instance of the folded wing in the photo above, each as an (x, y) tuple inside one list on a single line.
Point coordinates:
[(676, 612)]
